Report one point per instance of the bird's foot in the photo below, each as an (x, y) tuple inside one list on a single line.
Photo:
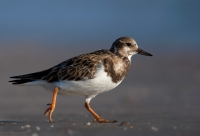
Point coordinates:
[(100, 120), (50, 111)]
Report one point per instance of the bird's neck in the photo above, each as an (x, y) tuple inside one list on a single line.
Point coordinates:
[(117, 68)]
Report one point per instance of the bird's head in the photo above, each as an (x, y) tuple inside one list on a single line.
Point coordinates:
[(126, 47)]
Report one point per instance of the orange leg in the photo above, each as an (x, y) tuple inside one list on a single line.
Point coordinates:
[(96, 116), (52, 105)]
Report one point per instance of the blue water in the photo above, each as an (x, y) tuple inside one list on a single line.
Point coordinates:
[(159, 23)]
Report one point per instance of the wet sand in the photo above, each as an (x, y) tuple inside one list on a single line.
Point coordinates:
[(148, 124), (160, 96)]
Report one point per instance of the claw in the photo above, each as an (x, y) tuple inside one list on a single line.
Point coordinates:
[(106, 121)]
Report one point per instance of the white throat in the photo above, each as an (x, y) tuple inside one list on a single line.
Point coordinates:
[(130, 55)]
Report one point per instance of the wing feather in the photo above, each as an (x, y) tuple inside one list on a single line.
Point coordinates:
[(76, 68)]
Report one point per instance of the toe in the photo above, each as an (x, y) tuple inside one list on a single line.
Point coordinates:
[(106, 121)]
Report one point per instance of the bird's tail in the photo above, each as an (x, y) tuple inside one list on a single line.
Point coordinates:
[(21, 81), (28, 78)]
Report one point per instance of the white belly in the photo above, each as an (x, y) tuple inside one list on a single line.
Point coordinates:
[(99, 84)]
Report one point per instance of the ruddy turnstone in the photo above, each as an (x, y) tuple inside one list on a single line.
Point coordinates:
[(86, 75)]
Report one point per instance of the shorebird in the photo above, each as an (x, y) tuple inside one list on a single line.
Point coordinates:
[(86, 75)]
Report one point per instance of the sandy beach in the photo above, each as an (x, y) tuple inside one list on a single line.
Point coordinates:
[(160, 96)]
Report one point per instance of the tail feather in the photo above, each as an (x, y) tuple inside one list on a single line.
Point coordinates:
[(36, 75), (22, 79)]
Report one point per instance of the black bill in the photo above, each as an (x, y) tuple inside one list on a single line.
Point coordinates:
[(140, 51)]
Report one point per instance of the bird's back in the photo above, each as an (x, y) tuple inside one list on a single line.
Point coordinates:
[(74, 69)]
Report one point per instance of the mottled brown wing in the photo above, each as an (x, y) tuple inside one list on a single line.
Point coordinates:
[(77, 68)]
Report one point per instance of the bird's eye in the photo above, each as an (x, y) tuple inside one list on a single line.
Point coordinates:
[(128, 44)]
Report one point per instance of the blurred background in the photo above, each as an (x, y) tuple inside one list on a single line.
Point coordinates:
[(36, 35)]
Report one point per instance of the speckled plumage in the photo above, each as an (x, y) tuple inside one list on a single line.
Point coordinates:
[(87, 74), (81, 67)]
